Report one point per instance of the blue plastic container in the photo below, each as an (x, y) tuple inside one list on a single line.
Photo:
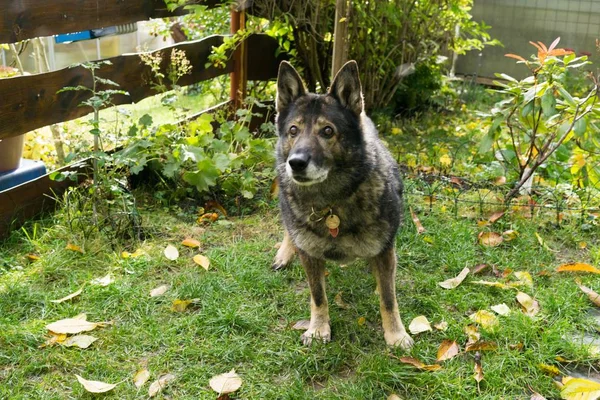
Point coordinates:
[(28, 170)]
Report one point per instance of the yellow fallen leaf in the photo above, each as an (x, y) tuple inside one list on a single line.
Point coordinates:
[(447, 350), (578, 267), (32, 257), (171, 252), (454, 282), (592, 295), (579, 389), (74, 247), (494, 284), (490, 239), (215, 205), (95, 386), (542, 243), (481, 346), (441, 326), (53, 339), (510, 235), (301, 325), (549, 369), (141, 377), (180, 305), (160, 384), (486, 319), (524, 279), (340, 302), (159, 291), (81, 341), (361, 321), (135, 254), (418, 364), (419, 324), (473, 334), (226, 383), (69, 297), (202, 261), (189, 242), (501, 309), (582, 245), (72, 326), (104, 281), (529, 305)]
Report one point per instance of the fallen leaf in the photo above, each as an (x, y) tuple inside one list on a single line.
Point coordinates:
[(473, 334), (419, 324), (141, 377), (495, 216), (418, 364), (537, 396), (95, 386), (104, 281), (478, 375), (81, 341), (447, 350), (180, 305), (542, 243), (215, 205), (160, 384), (301, 325), (441, 326), (592, 295), (501, 309), (394, 396), (524, 278), (74, 247), (579, 388), (578, 267), (494, 284), (428, 239), (55, 338), (530, 306), (189, 242), (582, 245), (489, 239), (202, 261), (69, 297), (361, 321), (159, 291), (454, 282), (519, 346), (32, 257), (510, 235), (226, 383), (479, 268), (72, 326), (340, 302), (171, 252), (417, 222), (549, 369), (481, 346), (208, 218), (486, 319), (135, 254)]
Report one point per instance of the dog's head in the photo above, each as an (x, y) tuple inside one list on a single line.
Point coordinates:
[(318, 133)]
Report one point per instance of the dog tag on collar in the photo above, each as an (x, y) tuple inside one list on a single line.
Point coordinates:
[(332, 221)]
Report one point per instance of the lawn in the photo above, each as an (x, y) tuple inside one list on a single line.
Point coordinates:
[(242, 314)]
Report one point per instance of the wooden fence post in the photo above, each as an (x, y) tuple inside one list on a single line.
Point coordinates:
[(239, 75)]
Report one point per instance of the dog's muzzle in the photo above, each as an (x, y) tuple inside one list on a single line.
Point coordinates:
[(302, 171)]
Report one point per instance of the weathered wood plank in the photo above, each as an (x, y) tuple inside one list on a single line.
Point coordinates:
[(26, 19)]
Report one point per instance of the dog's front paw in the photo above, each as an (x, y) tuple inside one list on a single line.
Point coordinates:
[(321, 332), (399, 339)]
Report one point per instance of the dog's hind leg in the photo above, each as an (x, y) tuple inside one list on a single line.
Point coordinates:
[(319, 310), (285, 253), (384, 268)]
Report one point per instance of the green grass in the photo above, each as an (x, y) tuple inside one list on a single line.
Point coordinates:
[(244, 313)]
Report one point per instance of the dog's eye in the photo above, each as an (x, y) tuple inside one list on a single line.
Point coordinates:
[(293, 130), (328, 131)]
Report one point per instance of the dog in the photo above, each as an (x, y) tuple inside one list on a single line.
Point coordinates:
[(340, 193)]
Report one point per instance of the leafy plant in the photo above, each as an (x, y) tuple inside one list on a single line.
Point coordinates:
[(540, 116)]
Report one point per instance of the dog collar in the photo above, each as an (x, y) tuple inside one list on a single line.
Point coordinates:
[(332, 221)]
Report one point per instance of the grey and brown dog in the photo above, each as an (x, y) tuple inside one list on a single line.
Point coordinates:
[(340, 192)]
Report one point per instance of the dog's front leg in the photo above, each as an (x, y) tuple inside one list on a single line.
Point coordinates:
[(319, 311), (285, 253), (384, 268)]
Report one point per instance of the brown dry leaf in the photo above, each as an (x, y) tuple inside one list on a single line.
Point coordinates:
[(447, 350), (340, 302), (207, 218), (189, 242), (32, 257), (301, 325), (104, 281), (489, 239), (494, 284), (226, 383), (495, 216), (486, 319), (481, 346), (549, 369), (81, 341), (171, 252), (69, 297), (578, 267), (454, 282), (159, 291), (55, 338), (74, 247), (592, 295), (510, 235), (72, 326), (141, 377), (441, 326), (473, 334), (479, 268), (160, 384), (417, 222), (579, 389), (418, 364), (95, 386), (215, 205), (202, 261), (501, 309), (180, 305), (419, 324), (478, 375), (530, 306)]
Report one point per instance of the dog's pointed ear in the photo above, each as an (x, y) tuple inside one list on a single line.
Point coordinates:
[(346, 88), (289, 85)]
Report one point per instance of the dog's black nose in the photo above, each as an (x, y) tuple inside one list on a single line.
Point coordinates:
[(299, 161)]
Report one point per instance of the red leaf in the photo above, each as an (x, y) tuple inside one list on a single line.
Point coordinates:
[(517, 57)]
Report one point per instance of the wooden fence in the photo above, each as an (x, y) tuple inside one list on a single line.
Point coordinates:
[(30, 102)]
